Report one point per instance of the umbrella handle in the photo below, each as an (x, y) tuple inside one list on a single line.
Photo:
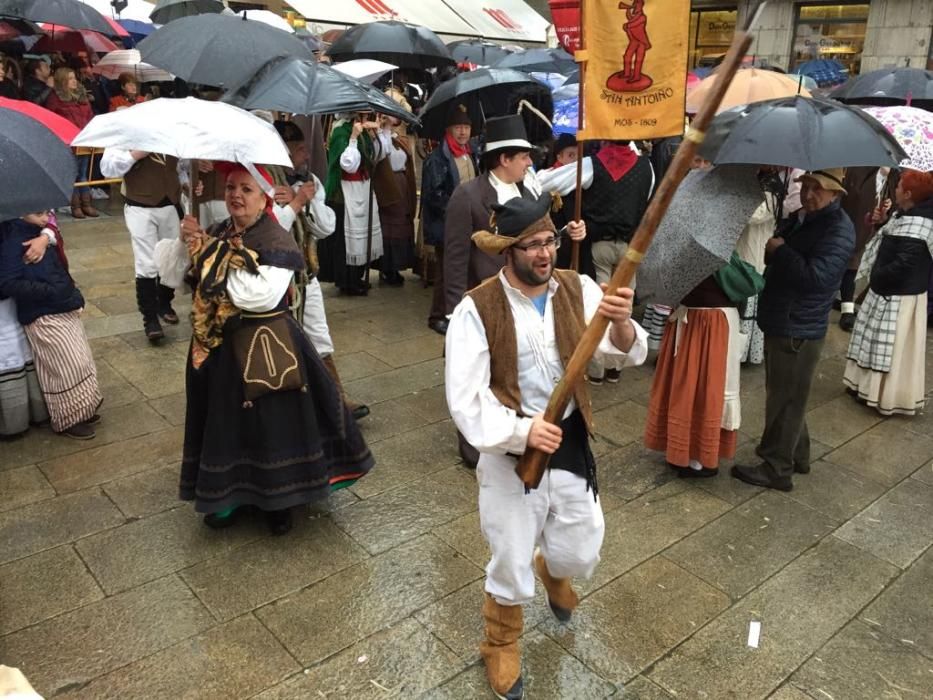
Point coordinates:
[(194, 180), (532, 464)]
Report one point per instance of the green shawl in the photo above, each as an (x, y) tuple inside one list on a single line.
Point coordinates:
[(339, 140)]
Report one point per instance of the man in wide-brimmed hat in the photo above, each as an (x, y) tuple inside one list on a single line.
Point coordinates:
[(506, 162), (508, 343), (805, 264)]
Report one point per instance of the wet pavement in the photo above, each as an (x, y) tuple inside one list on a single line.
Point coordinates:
[(112, 588)]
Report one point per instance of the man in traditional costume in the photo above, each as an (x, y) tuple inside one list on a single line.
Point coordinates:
[(152, 191), (508, 343), (300, 208), (507, 165), (450, 164)]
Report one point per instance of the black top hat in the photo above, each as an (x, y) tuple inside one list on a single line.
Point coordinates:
[(564, 141), (506, 132)]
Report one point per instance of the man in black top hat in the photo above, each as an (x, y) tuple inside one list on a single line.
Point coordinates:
[(452, 163), (507, 346)]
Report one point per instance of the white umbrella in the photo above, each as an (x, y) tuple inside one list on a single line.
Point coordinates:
[(188, 128), (137, 10), (367, 70), (128, 61)]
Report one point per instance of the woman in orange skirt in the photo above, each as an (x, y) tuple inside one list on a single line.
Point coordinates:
[(694, 412)]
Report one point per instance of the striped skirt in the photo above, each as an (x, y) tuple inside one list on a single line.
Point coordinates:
[(65, 367)]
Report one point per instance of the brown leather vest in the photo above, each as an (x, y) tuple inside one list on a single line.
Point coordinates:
[(149, 182), (569, 323)]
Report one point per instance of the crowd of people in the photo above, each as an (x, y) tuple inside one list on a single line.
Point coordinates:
[(268, 425)]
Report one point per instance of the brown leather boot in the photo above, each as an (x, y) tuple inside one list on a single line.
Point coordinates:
[(561, 597), (87, 206), (76, 212), (358, 410), (500, 650)]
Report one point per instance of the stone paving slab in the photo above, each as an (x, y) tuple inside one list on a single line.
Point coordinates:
[(43, 586), (72, 649), (800, 609), (23, 486), (235, 659), (369, 596), (898, 527)]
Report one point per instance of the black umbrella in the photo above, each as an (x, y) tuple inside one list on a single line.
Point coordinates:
[(304, 86), (540, 61), (488, 92), (168, 10), (800, 132), (68, 13), (218, 49), (889, 86), (37, 170), (478, 51), (404, 45)]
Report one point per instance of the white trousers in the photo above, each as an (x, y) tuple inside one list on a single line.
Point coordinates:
[(212, 212), (147, 226), (560, 516), (314, 320)]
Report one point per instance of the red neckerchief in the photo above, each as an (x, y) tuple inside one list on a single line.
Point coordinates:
[(617, 159), (456, 150)]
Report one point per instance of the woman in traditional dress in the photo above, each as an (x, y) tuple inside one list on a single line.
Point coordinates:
[(70, 100), (887, 352), (49, 305), (751, 248), (21, 402), (397, 196), (352, 152), (265, 425)]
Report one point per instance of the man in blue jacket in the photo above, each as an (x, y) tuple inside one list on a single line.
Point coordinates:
[(450, 164), (805, 264)]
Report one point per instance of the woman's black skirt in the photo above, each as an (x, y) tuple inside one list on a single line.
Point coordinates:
[(282, 449)]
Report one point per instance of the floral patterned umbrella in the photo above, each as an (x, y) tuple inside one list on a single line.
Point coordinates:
[(913, 130)]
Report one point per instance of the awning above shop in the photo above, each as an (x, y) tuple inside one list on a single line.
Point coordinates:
[(502, 20)]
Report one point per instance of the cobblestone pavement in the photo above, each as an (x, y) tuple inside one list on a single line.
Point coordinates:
[(112, 588)]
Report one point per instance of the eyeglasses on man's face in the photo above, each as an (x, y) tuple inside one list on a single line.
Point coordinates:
[(532, 248)]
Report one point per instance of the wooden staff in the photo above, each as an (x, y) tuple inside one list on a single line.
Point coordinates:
[(532, 463), (578, 202)]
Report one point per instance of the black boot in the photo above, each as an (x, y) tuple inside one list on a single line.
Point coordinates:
[(166, 312), (147, 299)]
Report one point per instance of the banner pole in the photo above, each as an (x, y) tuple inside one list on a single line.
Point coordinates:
[(578, 200)]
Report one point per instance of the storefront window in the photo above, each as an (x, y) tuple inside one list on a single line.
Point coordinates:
[(831, 32), (710, 35)]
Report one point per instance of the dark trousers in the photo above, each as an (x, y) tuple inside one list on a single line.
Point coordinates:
[(790, 364), (438, 301)]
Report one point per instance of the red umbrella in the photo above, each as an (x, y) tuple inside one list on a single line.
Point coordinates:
[(68, 40), (59, 126)]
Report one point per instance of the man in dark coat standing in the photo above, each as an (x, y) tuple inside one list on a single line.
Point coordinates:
[(805, 264), (449, 165)]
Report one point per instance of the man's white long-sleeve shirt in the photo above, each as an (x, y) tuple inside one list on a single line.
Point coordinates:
[(484, 421), (323, 219)]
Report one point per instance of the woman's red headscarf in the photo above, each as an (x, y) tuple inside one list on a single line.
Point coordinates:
[(227, 169)]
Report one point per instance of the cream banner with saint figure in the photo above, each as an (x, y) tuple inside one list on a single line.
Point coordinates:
[(636, 68)]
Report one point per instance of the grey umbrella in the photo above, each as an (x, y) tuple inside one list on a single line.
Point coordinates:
[(800, 132), (218, 49), (304, 86), (67, 13), (37, 170), (699, 232), (168, 10)]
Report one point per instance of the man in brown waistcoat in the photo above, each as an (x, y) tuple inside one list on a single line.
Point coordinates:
[(508, 343), (152, 191)]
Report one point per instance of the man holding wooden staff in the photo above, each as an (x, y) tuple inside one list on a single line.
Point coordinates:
[(508, 343)]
